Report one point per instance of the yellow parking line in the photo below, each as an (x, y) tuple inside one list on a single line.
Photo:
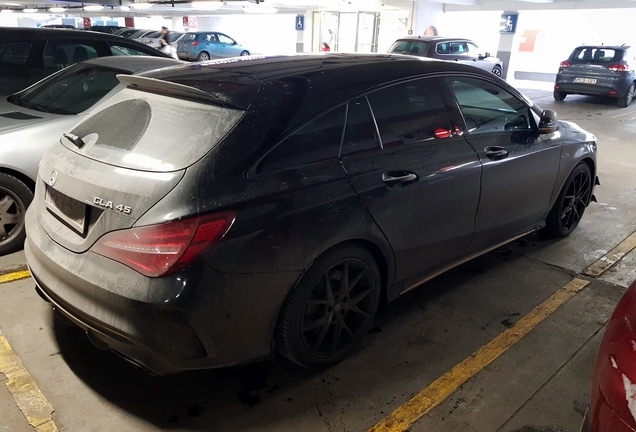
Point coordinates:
[(612, 257), (440, 389), (25, 391), (10, 277)]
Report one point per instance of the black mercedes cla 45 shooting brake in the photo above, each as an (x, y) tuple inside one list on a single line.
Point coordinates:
[(212, 214)]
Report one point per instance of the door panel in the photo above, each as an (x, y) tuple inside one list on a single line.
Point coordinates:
[(419, 180), (520, 166)]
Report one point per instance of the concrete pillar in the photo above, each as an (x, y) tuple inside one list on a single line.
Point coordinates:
[(428, 14), (504, 49)]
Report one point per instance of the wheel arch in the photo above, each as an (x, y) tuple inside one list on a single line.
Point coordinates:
[(28, 181)]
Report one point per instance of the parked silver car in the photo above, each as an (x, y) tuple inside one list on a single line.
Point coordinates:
[(32, 120)]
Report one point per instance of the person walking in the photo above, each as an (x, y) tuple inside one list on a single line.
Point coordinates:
[(325, 47)]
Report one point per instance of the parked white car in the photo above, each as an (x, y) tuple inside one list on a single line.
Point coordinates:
[(32, 120)]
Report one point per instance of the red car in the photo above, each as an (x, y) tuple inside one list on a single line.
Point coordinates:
[(613, 399)]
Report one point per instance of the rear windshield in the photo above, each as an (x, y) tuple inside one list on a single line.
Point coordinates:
[(190, 37), (71, 91), (410, 47), (596, 54), (150, 132)]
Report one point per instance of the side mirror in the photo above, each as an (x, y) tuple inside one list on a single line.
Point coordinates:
[(487, 54), (481, 56), (549, 122)]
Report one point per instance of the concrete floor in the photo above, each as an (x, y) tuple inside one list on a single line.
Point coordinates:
[(539, 385)]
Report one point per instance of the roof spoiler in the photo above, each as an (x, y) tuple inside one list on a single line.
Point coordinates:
[(177, 90)]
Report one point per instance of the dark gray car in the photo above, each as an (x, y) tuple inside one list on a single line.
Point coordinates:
[(445, 48), (597, 70), (208, 215)]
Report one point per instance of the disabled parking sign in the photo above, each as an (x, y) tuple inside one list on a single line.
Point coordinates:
[(300, 22), (508, 23)]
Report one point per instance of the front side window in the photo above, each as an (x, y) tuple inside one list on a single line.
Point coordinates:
[(69, 92), (458, 48), (14, 53), (473, 49), (489, 108), (59, 54), (225, 40), (317, 141), (409, 113)]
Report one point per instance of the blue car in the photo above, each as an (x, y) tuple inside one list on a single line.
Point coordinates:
[(202, 46)]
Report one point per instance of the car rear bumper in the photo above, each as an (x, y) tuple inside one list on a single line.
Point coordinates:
[(195, 319), (588, 89)]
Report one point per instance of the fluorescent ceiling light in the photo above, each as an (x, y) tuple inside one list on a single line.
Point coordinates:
[(29, 10), (57, 9), (259, 10), (142, 5), (537, 1), (92, 8), (6, 11), (124, 8), (457, 2), (207, 5)]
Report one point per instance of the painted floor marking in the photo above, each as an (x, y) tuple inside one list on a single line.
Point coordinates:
[(10, 277), (612, 257), (440, 389), (25, 391)]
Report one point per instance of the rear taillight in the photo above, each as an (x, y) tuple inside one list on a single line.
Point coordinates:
[(195, 43), (618, 67), (565, 64), (158, 250)]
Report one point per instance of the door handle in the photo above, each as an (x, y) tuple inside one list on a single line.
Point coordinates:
[(496, 153), (402, 178)]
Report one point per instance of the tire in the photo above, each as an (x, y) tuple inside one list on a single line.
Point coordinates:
[(559, 96), (625, 100), (203, 56), (244, 53), (571, 202), (333, 321), (15, 197), (496, 71)]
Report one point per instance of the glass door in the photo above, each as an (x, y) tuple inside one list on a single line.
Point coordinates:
[(367, 37)]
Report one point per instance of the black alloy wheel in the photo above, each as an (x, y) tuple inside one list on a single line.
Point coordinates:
[(559, 96), (331, 308), (625, 100), (496, 71), (571, 202), (15, 197)]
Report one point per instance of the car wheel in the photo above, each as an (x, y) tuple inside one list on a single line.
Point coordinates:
[(559, 96), (625, 100), (15, 197), (497, 71), (571, 202), (245, 53), (203, 56), (330, 308)]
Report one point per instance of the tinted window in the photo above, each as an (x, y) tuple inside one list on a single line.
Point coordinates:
[(14, 53), (58, 54), (489, 108), (360, 129), (120, 50), (598, 54), (410, 47), (409, 113), (317, 141), (69, 92), (451, 48)]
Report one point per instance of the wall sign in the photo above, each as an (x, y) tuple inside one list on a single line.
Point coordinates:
[(300, 22), (87, 22), (190, 22), (508, 23)]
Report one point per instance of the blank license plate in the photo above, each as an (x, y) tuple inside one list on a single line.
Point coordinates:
[(585, 80), (183, 53), (66, 208)]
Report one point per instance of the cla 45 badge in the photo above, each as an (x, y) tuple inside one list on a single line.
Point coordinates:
[(101, 202)]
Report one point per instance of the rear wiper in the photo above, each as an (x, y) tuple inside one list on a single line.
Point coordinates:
[(79, 143)]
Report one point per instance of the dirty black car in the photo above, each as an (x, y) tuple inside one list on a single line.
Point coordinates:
[(213, 214)]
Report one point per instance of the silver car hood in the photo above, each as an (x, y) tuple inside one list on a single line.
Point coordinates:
[(14, 117)]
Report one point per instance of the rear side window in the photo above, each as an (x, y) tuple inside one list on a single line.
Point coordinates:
[(15, 53), (409, 113), (596, 54), (410, 47), (59, 54), (317, 141), (121, 50), (489, 108), (360, 133)]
